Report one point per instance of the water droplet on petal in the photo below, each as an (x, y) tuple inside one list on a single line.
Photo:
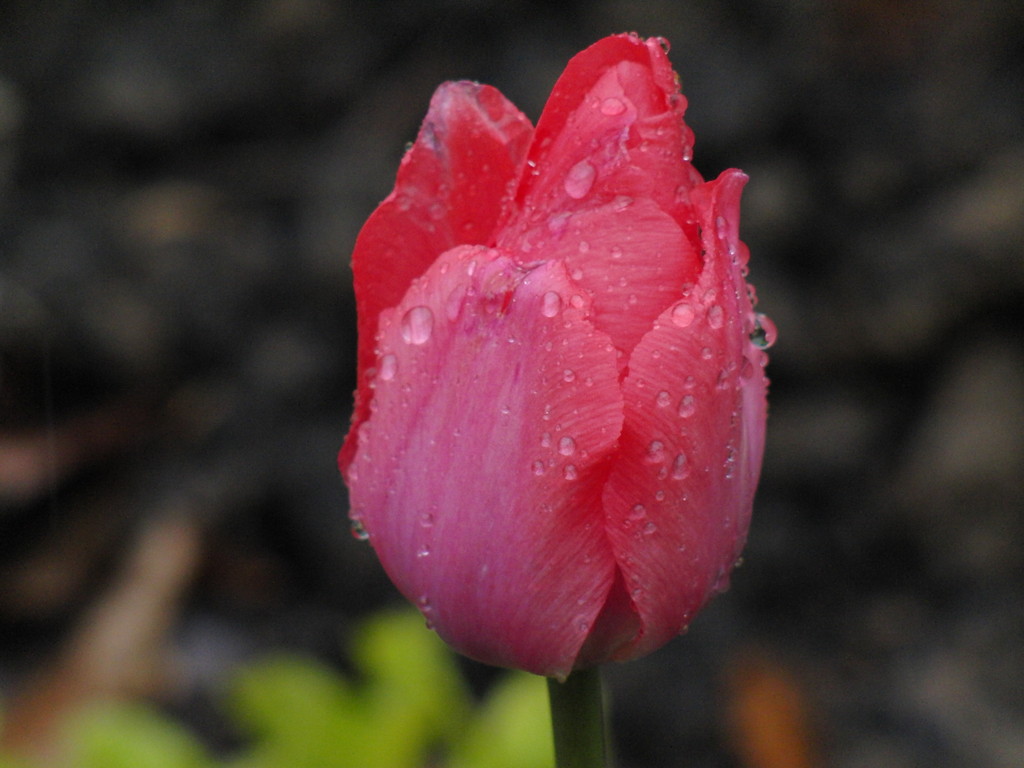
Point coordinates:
[(680, 467), (687, 406), (358, 532), (423, 551), (764, 332), (558, 223), (453, 304), (682, 314), (569, 473), (538, 467), (568, 375), (417, 325), (427, 520), (746, 369), (567, 446), (580, 179), (612, 106), (637, 512), (663, 399), (655, 452), (388, 367), (551, 304), (716, 317)]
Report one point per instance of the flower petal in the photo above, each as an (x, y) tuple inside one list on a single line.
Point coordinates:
[(451, 187), (478, 476), (607, 188), (617, 101), (631, 259), (680, 494)]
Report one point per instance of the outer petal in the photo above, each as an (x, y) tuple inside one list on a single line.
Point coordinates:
[(680, 495), (607, 188), (451, 187), (478, 476)]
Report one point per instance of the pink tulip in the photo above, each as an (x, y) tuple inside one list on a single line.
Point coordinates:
[(560, 413)]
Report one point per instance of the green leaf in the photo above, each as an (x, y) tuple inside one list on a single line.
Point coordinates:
[(512, 730), (132, 736)]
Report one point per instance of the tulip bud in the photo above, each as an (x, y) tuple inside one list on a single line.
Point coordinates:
[(561, 399)]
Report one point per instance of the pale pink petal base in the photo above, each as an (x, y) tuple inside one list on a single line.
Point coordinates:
[(478, 475)]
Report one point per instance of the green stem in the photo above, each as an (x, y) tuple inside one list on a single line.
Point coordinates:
[(577, 720)]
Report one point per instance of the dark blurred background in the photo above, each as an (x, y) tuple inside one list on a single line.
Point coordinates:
[(180, 187)]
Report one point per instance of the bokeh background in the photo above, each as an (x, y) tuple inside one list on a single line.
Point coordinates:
[(180, 187)]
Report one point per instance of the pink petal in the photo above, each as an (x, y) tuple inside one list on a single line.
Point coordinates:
[(478, 476), (632, 260), (679, 498), (617, 107), (451, 187), (606, 187)]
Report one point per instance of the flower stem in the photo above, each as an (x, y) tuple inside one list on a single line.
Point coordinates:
[(577, 720)]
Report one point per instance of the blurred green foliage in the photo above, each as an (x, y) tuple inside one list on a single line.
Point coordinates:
[(407, 708)]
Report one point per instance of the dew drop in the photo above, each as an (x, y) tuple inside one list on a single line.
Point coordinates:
[(538, 467), (664, 399), (615, 252), (747, 369), (764, 332), (388, 367), (453, 304), (580, 179), (655, 452), (577, 301), (650, 528), (423, 551), (558, 223), (612, 107), (417, 325), (638, 512), (716, 317), (680, 467), (567, 446), (568, 375), (570, 473), (545, 440), (551, 304), (358, 532), (682, 314), (427, 520), (730, 464), (706, 353), (687, 406)]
